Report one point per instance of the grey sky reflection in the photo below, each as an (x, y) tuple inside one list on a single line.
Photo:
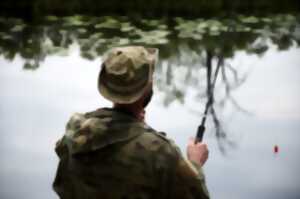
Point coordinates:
[(36, 105)]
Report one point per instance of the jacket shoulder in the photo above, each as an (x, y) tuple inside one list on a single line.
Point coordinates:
[(155, 141)]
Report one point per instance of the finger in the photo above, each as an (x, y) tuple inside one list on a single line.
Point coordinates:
[(207, 154), (203, 145)]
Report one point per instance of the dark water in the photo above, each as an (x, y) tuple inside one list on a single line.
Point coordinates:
[(49, 71)]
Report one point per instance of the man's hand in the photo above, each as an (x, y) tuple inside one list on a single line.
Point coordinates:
[(198, 153)]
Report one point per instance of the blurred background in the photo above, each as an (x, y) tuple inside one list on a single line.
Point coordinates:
[(245, 54)]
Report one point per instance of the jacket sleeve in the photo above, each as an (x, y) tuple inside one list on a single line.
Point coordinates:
[(189, 180), (61, 184)]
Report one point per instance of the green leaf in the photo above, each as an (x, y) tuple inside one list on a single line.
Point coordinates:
[(109, 23), (250, 19), (51, 18), (152, 37)]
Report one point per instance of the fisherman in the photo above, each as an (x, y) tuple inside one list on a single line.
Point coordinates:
[(111, 153)]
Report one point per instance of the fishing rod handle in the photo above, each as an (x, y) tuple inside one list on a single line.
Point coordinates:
[(200, 133)]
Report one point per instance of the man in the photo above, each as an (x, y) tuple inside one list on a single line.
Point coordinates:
[(111, 153)]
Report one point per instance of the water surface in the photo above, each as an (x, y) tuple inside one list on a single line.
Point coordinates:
[(49, 71)]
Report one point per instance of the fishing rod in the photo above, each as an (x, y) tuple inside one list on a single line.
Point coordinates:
[(210, 92)]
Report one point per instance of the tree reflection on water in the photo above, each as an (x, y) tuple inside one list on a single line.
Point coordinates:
[(194, 48)]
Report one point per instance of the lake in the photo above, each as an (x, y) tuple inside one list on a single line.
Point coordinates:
[(49, 70)]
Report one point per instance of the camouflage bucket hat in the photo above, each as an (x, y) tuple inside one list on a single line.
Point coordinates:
[(126, 73)]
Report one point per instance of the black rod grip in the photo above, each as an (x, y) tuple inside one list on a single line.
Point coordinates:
[(200, 133)]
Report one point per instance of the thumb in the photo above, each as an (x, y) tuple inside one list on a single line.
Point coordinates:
[(191, 141)]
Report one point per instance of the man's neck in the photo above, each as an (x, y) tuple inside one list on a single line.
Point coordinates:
[(134, 109)]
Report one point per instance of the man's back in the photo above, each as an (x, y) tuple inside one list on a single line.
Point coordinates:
[(109, 154)]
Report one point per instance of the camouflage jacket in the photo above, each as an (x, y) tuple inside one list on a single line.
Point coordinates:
[(107, 154)]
